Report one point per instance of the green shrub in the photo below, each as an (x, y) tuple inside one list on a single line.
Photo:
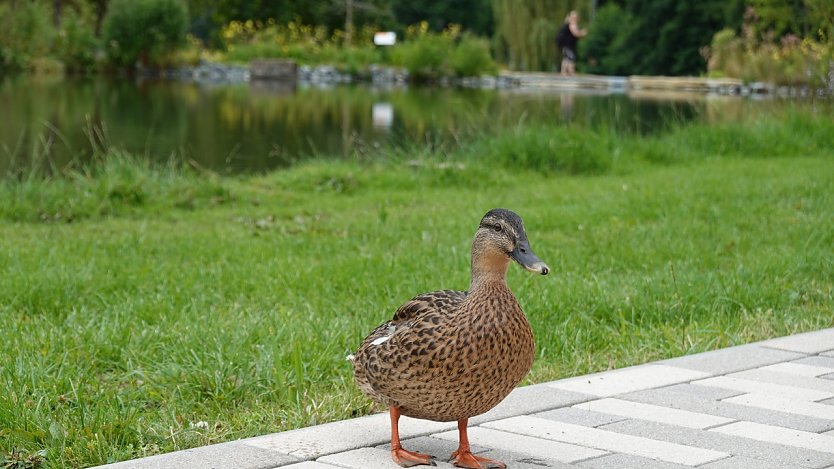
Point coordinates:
[(27, 32), (471, 58), (424, 56), (76, 44), (145, 31)]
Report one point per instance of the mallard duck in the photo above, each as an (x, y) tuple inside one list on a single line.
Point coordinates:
[(451, 355)]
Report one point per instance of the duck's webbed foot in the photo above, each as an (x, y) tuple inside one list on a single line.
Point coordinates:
[(469, 460), (407, 458)]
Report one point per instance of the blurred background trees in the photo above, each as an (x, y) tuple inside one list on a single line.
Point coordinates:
[(745, 38)]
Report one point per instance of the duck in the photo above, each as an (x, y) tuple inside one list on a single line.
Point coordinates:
[(451, 355)]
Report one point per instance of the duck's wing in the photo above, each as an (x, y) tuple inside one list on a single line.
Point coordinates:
[(389, 352), (439, 301)]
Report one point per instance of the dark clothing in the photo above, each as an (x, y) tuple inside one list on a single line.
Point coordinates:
[(567, 42), (565, 37)]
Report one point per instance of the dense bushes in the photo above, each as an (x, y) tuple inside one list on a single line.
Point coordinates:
[(26, 33), (144, 31), (427, 55)]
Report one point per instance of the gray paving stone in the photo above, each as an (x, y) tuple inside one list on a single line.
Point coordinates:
[(529, 399), (579, 417), (779, 435), (705, 392), (437, 447), (678, 397), (828, 376), (809, 342), (320, 440), (734, 445), (529, 445), (804, 382), (635, 378), (828, 354), (367, 458), (220, 456), (443, 449), (762, 386), (741, 462), (817, 360), (799, 369), (828, 401), (521, 461), (607, 440), (309, 465), (654, 413), (790, 406), (742, 357), (628, 461)]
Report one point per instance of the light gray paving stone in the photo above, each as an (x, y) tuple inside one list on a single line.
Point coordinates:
[(607, 440), (830, 432), (828, 376), (739, 383), (741, 462), (737, 446), (727, 360), (441, 449), (531, 446), (366, 458), (521, 461), (654, 413), (309, 465), (804, 382), (809, 342), (798, 369), (828, 354), (579, 417), (785, 436), (705, 392), (529, 399), (827, 401), (611, 383), (628, 461), (790, 406), (219, 456), (313, 442), (817, 360), (679, 397)]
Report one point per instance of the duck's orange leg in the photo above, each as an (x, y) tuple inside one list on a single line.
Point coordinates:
[(398, 454), (463, 457)]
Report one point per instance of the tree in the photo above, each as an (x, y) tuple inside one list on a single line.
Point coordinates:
[(144, 30)]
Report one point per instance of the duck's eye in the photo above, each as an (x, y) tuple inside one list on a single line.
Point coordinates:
[(497, 228)]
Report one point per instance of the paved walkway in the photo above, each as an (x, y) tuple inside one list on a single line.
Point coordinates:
[(768, 405)]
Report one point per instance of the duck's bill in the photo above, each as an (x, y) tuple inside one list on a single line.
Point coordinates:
[(528, 259)]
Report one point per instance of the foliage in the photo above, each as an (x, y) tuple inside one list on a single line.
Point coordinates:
[(471, 57), (525, 31), (27, 32), (654, 37), (755, 56), (611, 29), (474, 16), (76, 43), (145, 31), (428, 55), (154, 326)]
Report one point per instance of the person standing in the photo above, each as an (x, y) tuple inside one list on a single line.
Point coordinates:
[(567, 39)]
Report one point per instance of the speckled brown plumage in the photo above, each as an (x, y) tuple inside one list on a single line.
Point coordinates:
[(450, 355)]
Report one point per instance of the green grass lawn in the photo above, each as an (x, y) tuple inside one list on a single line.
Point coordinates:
[(146, 310)]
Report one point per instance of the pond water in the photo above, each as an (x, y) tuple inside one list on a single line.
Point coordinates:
[(256, 127)]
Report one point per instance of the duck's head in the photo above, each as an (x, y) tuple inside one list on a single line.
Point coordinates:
[(501, 237)]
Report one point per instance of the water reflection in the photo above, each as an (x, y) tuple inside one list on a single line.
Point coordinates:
[(241, 128)]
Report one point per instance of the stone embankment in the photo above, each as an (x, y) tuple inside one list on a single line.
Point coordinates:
[(288, 73)]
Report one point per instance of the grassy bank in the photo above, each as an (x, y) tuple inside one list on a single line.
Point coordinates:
[(152, 309)]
